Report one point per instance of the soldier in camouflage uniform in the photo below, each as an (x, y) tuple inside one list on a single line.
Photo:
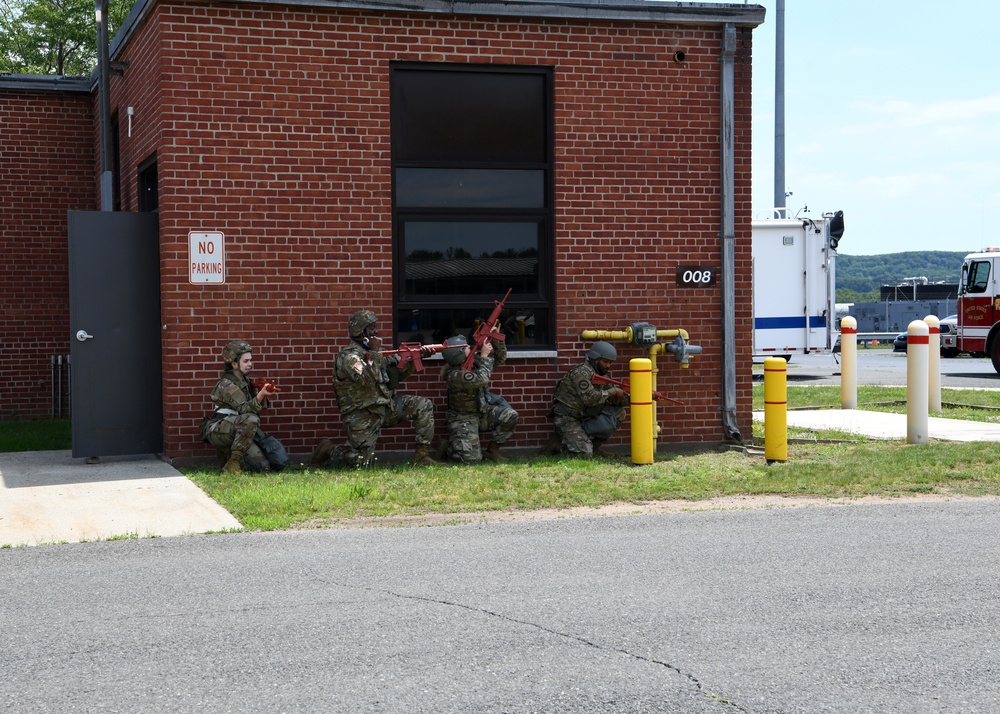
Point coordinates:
[(234, 427), (472, 408), (586, 414), (365, 382)]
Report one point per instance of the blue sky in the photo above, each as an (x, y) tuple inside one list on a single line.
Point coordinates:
[(892, 114)]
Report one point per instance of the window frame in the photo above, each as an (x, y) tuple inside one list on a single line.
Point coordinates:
[(974, 285), (545, 297)]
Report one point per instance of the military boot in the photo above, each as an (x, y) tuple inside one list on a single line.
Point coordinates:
[(222, 455), (492, 453), (322, 453), (599, 449), (552, 447), (422, 456), (233, 466)]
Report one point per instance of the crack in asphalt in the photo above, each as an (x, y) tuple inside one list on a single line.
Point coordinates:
[(690, 677)]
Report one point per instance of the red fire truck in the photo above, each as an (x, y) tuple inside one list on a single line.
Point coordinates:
[(979, 305)]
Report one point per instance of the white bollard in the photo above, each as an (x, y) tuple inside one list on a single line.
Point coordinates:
[(916, 382), (848, 363), (933, 363)]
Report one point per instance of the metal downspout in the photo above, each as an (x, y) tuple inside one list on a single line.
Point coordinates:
[(728, 235), (104, 101)]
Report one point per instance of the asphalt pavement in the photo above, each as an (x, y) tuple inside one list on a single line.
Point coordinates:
[(888, 607), (887, 368)]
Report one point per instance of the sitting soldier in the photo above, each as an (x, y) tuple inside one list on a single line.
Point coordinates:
[(234, 427)]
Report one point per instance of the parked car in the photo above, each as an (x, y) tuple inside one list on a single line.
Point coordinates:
[(949, 334), (948, 331)]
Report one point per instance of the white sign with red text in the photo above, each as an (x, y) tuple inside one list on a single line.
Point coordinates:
[(207, 258)]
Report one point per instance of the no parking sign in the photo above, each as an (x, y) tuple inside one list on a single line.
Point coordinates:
[(207, 258)]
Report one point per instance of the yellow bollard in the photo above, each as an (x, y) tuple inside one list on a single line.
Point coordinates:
[(641, 390), (775, 409)]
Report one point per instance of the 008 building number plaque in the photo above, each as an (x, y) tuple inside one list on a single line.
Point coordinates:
[(696, 276)]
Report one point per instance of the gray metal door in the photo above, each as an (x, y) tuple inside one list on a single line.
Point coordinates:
[(114, 309)]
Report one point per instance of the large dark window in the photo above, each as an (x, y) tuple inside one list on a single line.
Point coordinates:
[(472, 179)]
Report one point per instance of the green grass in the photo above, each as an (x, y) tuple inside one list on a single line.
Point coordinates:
[(38, 435), (315, 498), (302, 498), (862, 467)]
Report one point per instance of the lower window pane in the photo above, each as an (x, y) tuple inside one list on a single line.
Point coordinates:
[(470, 258)]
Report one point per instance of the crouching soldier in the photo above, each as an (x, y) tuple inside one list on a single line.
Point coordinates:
[(365, 382), (234, 427), (586, 414), (472, 408)]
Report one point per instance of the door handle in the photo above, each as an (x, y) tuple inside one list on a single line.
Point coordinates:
[(83, 336)]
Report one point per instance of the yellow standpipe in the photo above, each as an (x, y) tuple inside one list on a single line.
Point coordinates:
[(641, 383), (656, 348), (775, 409), (626, 335), (653, 351)]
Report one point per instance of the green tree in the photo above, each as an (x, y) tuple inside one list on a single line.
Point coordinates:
[(846, 295), (53, 37)]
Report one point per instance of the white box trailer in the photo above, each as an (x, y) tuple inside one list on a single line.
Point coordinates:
[(795, 284)]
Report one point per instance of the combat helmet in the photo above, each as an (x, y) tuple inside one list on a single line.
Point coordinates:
[(359, 321), (232, 351), (602, 350), (455, 354)]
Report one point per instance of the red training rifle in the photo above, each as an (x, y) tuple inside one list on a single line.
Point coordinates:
[(488, 330), (411, 351), (260, 382), (623, 384)]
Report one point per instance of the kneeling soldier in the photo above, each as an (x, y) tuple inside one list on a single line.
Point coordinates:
[(365, 383), (586, 414), (472, 408)]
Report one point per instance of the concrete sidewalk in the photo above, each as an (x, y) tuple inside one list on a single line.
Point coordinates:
[(51, 497), (879, 425)]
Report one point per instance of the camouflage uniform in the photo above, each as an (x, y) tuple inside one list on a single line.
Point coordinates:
[(472, 408), (235, 425), (582, 411), (365, 384)]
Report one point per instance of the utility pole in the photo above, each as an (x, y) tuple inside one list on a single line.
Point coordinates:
[(779, 105)]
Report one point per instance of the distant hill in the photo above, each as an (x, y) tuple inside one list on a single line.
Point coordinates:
[(859, 277)]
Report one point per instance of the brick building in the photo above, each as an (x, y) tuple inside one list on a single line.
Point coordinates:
[(417, 159)]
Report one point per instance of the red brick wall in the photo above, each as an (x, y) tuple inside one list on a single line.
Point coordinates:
[(46, 168), (273, 127)]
